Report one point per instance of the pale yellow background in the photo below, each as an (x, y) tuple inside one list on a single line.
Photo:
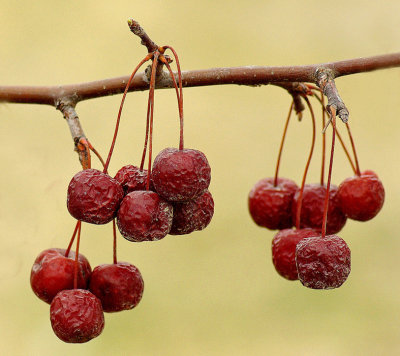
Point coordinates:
[(214, 292)]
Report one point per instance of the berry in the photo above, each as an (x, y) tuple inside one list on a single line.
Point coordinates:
[(94, 197), (52, 272), (192, 215), (144, 216), (323, 263), (284, 250), (181, 175), (132, 178), (271, 206), (312, 209), (76, 316), (119, 286), (361, 197)]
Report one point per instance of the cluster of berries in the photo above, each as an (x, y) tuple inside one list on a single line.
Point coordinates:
[(170, 198), (76, 313), (304, 252)]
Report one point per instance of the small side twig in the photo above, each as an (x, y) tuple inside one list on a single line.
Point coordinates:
[(325, 80), (138, 31)]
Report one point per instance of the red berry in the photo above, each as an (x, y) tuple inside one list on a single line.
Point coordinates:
[(94, 197), (144, 216), (323, 263), (192, 215), (312, 209), (361, 197), (284, 250), (181, 175), (132, 178), (119, 286), (271, 206), (76, 316), (52, 272)]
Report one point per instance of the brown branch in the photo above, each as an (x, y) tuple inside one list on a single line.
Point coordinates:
[(249, 75)]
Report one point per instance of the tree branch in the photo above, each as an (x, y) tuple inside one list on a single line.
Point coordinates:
[(248, 75)]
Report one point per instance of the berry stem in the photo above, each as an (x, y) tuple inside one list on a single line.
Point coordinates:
[(146, 139), (72, 239), (328, 184), (151, 100), (76, 256), (354, 149), (278, 161), (114, 243), (346, 151), (299, 202), (145, 59), (323, 140), (180, 103)]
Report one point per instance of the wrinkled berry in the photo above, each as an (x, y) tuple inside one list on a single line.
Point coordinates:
[(192, 215), (132, 178), (271, 206), (361, 197), (52, 272), (312, 209), (144, 216), (284, 250), (323, 263), (181, 175), (76, 316), (94, 197), (119, 286)]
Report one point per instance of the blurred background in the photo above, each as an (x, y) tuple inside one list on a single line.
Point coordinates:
[(213, 292)]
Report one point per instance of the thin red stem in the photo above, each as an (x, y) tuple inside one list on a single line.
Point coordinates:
[(328, 184), (323, 140), (151, 99), (76, 256), (98, 156), (278, 161), (120, 110), (146, 139), (354, 149), (114, 243), (72, 239), (299, 201), (180, 105), (178, 66)]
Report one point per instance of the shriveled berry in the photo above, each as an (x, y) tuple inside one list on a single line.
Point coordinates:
[(181, 175), (119, 286), (132, 178), (361, 197), (271, 206), (323, 263), (312, 208), (284, 250), (52, 272), (192, 215), (94, 196), (144, 216), (76, 316)]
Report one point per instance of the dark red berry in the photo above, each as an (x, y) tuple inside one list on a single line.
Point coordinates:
[(181, 175), (271, 206), (323, 263), (52, 272), (312, 209), (94, 197), (76, 316), (119, 286), (361, 197), (284, 250), (144, 216), (132, 178), (192, 215)]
